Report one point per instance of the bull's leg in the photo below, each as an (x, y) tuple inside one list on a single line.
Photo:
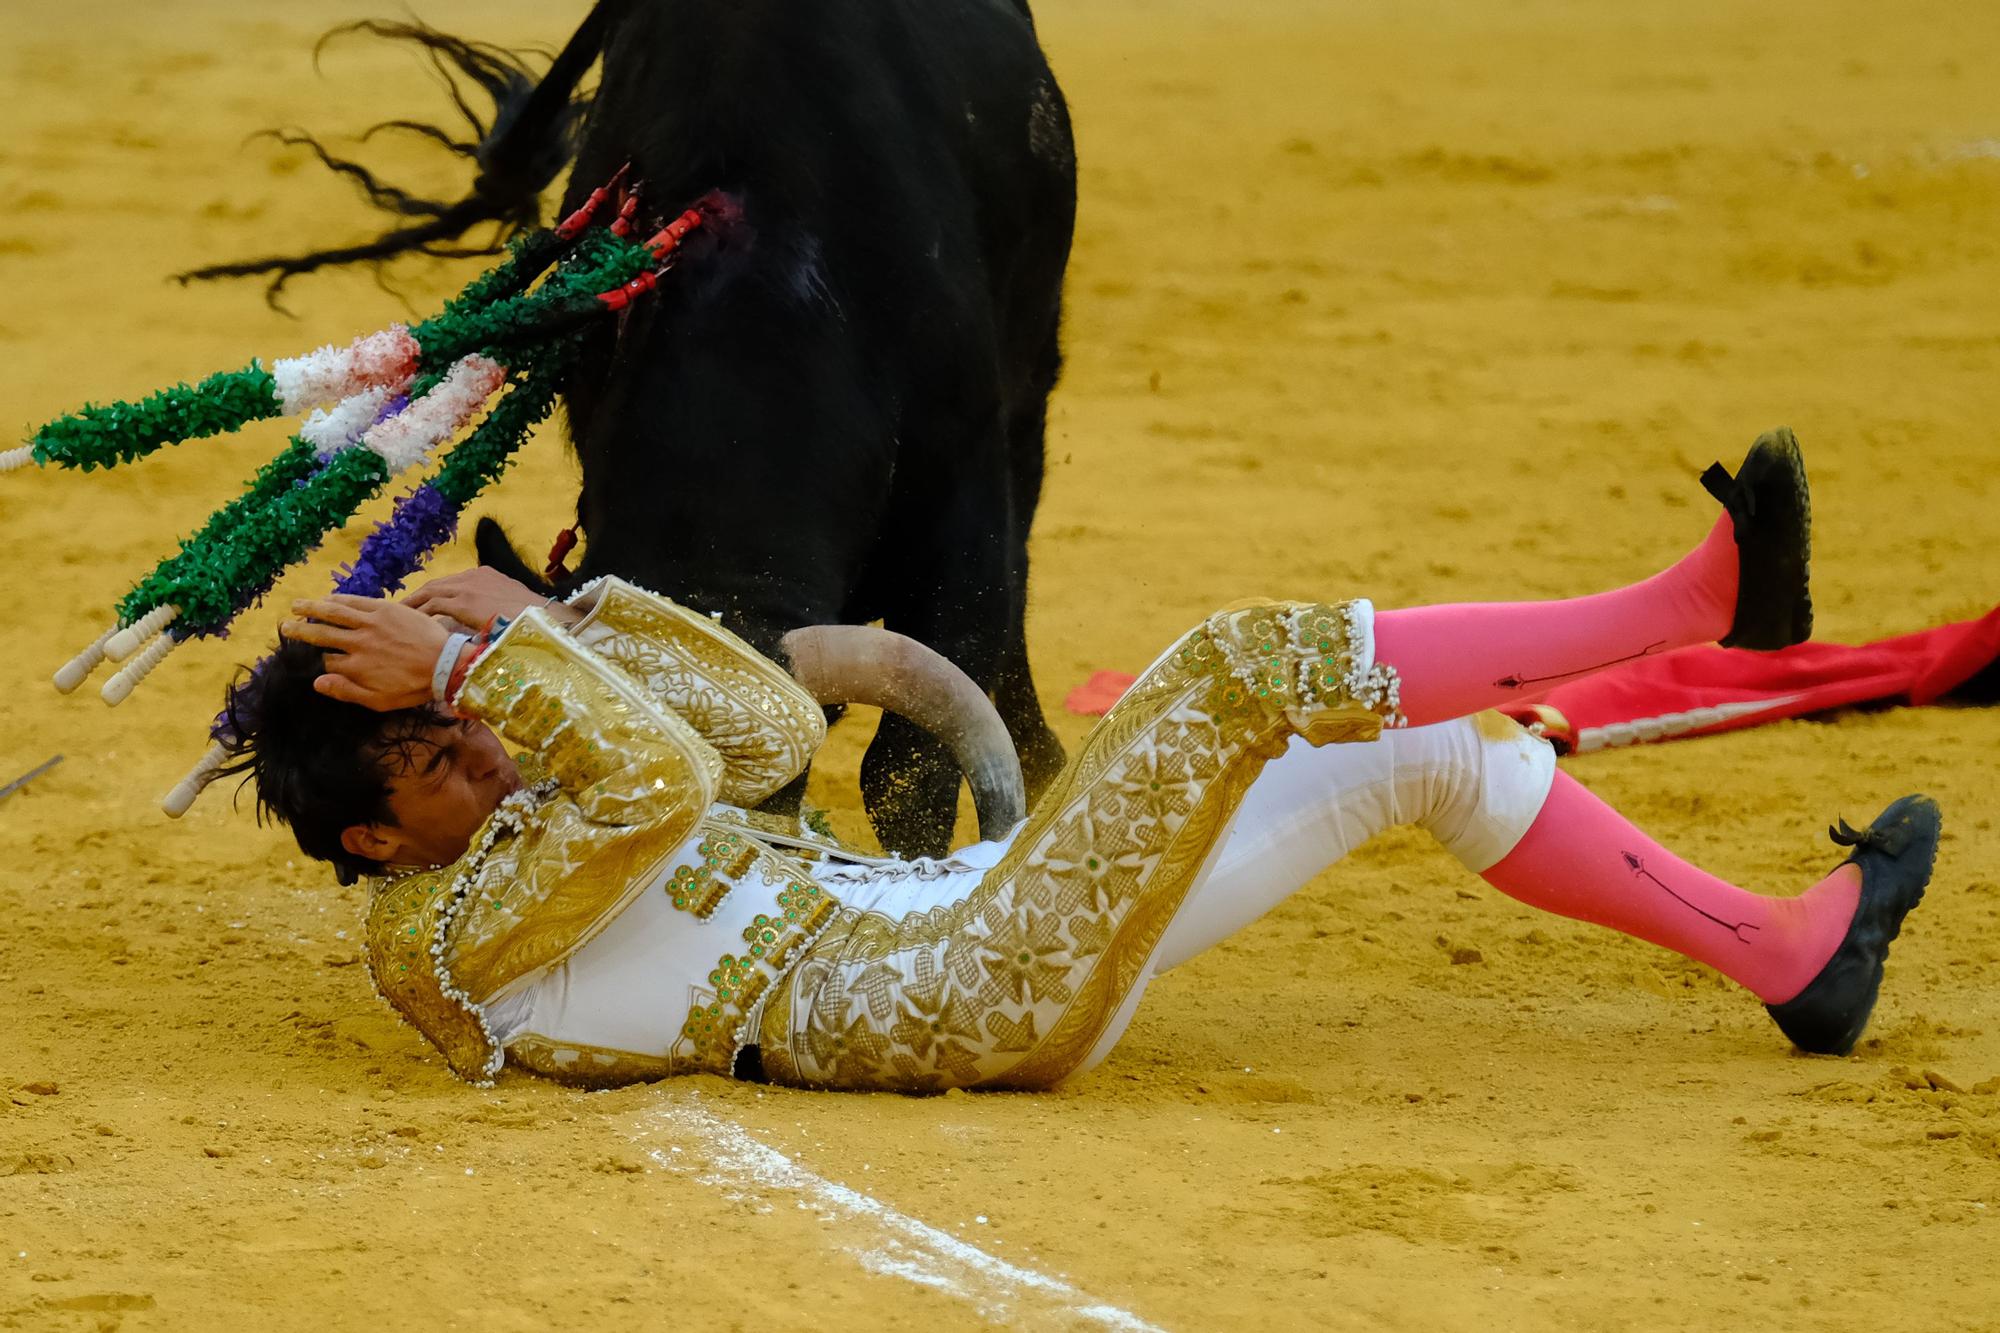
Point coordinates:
[(970, 607), (949, 591), (1013, 686), (1013, 683), (909, 786), (1021, 709)]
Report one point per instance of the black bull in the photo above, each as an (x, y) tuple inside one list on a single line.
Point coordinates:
[(832, 411)]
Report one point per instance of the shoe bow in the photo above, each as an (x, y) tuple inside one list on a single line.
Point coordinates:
[(1739, 500), (1890, 841)]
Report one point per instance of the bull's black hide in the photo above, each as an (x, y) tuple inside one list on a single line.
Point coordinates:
[(833, 412)]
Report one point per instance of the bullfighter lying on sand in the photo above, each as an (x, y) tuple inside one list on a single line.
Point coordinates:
[(603, 909)]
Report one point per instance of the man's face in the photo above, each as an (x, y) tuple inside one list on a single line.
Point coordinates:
[(443, 784)]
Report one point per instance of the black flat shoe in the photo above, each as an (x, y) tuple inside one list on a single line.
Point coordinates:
[(1771, 512), (1895, 854)]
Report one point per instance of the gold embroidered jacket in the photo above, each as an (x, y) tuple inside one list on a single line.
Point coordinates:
[(637, 721)]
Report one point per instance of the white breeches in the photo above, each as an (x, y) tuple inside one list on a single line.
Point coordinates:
[(1474, 783)]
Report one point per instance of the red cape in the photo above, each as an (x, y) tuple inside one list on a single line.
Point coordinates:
[(1703, 690)]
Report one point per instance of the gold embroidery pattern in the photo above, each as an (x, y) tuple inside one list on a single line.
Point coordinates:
[(582, 1066), (637, 778), (404, 917), (700, 889), (719, 1016), (762, 722), (1013, 985), (545, 874), (763, 821), (801, 839)]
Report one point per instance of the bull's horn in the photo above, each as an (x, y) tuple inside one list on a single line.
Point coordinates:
[(859, 664)]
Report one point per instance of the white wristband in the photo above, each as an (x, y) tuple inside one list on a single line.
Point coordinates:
[(447, 661)]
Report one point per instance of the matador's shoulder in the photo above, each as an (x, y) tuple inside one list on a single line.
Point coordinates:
[(405, 937), (765, 724)]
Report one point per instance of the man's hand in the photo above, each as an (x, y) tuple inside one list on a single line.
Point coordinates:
[(476, 596), (379, 654)]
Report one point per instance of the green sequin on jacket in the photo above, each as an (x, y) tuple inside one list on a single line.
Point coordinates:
[(633, 723)]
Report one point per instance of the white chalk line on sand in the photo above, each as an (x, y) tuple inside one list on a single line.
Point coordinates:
[(894, 1244)]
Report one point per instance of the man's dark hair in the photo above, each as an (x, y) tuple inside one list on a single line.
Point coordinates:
[(320, 765)]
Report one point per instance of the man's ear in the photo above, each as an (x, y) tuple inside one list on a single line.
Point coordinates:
[(367, 842)]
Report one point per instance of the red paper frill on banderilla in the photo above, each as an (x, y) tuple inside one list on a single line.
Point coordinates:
[(1704, 690)]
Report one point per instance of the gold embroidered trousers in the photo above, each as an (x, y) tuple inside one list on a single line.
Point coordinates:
[(1030, 972)]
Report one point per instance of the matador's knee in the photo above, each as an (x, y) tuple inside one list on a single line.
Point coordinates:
[(1311, 662)]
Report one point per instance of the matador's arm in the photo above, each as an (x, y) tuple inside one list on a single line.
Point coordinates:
[(761, 721), (613, 746), (544, 877)]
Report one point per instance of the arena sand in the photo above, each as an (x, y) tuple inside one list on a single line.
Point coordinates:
[(1430, 302)]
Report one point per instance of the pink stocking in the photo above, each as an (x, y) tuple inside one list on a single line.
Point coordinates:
[(1581, 859), (1458, 659)]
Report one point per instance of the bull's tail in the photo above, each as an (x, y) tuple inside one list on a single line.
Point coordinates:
[(529, 137), (496, 551)]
